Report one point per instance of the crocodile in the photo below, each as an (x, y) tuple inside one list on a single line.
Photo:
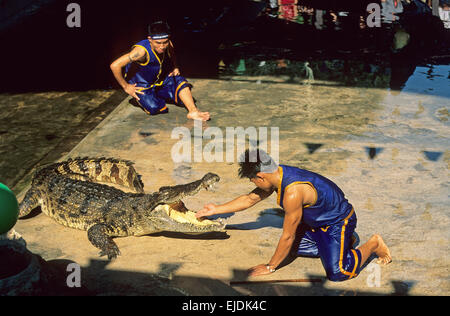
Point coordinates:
[(70, 193)]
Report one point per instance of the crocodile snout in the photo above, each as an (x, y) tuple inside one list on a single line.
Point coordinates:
[(209, 180)]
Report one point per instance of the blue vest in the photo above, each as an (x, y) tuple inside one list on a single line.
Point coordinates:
[(331, 205), (155, 69)]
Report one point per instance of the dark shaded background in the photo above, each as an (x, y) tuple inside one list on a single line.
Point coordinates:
[(40, 52)]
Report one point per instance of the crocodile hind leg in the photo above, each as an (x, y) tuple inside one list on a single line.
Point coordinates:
[(98, 236)]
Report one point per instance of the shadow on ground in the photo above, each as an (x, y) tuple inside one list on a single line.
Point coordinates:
[(96, 279)]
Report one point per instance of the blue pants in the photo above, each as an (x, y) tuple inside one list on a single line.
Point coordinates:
[(333, 245), (154, 100)]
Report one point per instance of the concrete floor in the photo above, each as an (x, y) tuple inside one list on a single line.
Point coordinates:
[(387, 151)]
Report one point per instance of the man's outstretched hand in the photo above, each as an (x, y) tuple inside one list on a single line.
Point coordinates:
[(207, 210)]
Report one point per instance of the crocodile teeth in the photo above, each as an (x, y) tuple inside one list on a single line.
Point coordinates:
[(211, 187), (222, 222)]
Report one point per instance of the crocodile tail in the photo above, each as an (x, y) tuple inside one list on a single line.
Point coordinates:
[(108, 170), (29, 202)]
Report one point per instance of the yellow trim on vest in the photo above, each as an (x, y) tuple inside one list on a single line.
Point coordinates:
[(140, 90), (148, 60), (160, 67), (148, 55), (156, 55), (304, 182), (280, 171)]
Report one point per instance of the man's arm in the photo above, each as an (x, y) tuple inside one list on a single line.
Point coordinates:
[(293, 206), (138, 53), (241, 203)]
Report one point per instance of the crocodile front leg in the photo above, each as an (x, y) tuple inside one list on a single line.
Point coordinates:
[(99, 236)]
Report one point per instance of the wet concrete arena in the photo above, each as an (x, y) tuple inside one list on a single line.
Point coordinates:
[(376, 144), (386, 148)]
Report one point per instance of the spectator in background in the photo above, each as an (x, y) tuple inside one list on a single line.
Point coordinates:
[(390, 9), (444, 13), (288, 9)]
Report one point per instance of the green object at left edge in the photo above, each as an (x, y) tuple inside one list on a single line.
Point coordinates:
[(9, 209)]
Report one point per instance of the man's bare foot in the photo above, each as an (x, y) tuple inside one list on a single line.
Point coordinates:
[(197, 115), (382, 251)]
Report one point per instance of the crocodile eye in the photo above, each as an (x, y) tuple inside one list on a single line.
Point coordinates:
[(211, 177)]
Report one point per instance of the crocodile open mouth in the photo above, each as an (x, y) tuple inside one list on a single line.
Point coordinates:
[(178, 212), (212, 187)]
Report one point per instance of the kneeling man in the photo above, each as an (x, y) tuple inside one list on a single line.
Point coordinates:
[(318, 222)]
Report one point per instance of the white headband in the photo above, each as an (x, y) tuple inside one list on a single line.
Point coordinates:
[(159, 36)]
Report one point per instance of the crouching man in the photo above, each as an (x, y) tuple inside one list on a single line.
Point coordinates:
[(319, 221)]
